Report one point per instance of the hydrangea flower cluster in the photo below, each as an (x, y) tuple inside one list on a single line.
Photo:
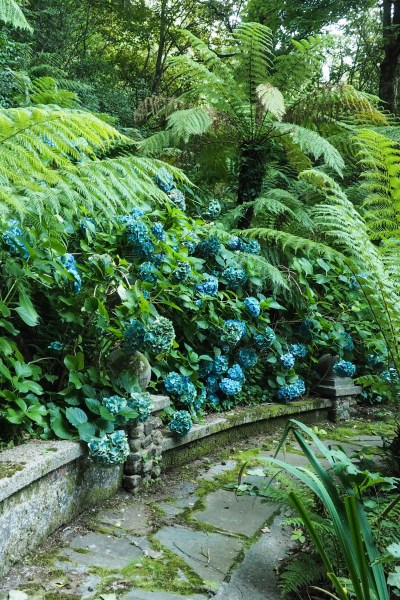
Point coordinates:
[(213, 210), (159, 336), (264, 341), (290, 392), (141, 403), (244, 245), (235, 277), (347, 343), (247, 358), (344, 368), (134, 336), (139, 238), (146, 272), (190, 245), (212, 383), (236, 373), (178, 198), (374, 360), (181, 387), (164, 180), (390, 375), (181, 423), (111, 449), (233, 331), (287, 361), (298, 350), (70, 264), (252, 306), (182, 272), (16, 247), (220, 364), (208, 247), (158, 258), (57, 346), (114, 404), (209, 287), (158, 231), (230, 387)]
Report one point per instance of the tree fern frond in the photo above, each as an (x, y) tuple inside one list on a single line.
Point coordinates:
[(188, 122), (155, 144), (300, 573), (272, 100), (255, 43), (11, 14)]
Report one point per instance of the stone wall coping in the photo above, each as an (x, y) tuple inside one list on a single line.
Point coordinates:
[(159, 403), (33, 460), (242, 416)]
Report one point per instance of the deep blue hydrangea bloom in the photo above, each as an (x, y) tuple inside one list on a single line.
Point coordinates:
[(134, 336), (212, 383), (250, 246), (213, 210), (141, 403), (205, 367), (189, 396), (87, 224), (235, 277), (233, 331), (236, 373), (159, 336), (252, 306), (164, 180), (234, 243), (306, 329), (220, 364), (178, 198), (247, 358), (181, 423), (190, 245), (159, 258), (298, 350), (213, 399), (69, 263), (230, 387), (344, 368), (208, 247), (175, 383), (146, 272), (390, 375), (264, 341), (287, 361), (114, 404), (137, 213), (9, 237), (158, 231), (182, 272), (109, 450), (347, 341), (374, 360), (291, 392), (138, 236), (209, 287), (58, 346), (300, 388)]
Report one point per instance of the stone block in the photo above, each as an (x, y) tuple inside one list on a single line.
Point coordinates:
[(157, 422), (131, 482), (147, 441), (135, 444), (135, 432), (157, 437), (156, 472), (133, 467), (148, 428), (147, 466)]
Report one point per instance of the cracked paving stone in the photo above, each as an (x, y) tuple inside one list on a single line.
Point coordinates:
[(103, 551), (218, 469), (237, 514), (142, 595), (210, 555), (132, 518)]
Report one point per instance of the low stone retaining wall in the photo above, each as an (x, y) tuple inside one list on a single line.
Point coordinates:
[(42, 486), (223, 429)]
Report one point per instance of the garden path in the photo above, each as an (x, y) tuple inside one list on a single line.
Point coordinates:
[(190, 539)]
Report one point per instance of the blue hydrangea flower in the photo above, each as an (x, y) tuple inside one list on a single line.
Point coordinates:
[(208, 247), (69, 263), (235, 277), (264, 341), (182, 272), (291, 392), (213, 210), (109, 450), (181, 423), (212, 399), (287, 361), (250, 246), (159, 258), (247, 358), (233, 331), (234, 243), (208, 287), (205, 367), (344, 368), (58, 346), (9, 237), (138, 236), (134, 336), (347, 341), (230, 387), (236, 373), (220, 364), (159, 336), (158, 231), (190, 245), (137, 213), (178, 198), (114, 404), (200, 400), (252, 306), (141, 403), (374, 360), (175, 383), (300, 388), (146, 272), (390, 375), (164, 180), (212, 383), (298, 350)]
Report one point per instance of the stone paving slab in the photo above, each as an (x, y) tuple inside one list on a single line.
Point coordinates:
[(132, 518), (101, 550), (236, 514), (210, 555), (142, 595), (218, 469)]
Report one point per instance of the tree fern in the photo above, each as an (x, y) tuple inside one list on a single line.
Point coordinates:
[(11, 14)]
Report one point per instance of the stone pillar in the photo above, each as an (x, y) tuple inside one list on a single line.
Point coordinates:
[(145, 441), (342, 391)]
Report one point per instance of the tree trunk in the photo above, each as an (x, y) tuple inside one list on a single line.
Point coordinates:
[(390, 65), (161, 45), (251, 173)]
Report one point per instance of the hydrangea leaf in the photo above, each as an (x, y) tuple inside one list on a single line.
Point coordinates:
[(76, 416)]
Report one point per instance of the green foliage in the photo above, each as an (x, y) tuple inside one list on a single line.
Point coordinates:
[(11, 13)]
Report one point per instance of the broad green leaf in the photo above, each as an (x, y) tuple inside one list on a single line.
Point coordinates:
[(26, 310), (76, 416)]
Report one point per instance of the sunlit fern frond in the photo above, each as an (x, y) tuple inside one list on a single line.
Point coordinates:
[(11, 14)]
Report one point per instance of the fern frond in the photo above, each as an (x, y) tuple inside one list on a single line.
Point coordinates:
[(11, 14), (272, 100), (188, 122), (300, 573)]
